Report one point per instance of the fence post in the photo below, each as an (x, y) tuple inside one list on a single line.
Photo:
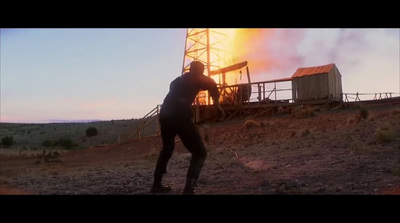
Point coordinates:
[(357, 97)]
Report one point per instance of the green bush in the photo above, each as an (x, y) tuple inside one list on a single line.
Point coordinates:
[(91, 131), (66, 143), (47, 143), (8, 141)]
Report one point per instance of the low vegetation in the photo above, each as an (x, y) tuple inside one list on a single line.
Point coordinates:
[(7, 141), (20, 136), (385, 133), (317, 152)]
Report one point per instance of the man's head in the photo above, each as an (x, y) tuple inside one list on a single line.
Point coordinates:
[(197, 67)]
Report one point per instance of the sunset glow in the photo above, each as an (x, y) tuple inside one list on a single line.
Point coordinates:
[(41, 68)]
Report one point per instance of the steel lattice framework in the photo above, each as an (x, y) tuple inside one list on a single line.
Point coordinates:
[(209, 47)]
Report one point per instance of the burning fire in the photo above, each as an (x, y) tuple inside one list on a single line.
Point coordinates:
[(224, 47), (228, 46)]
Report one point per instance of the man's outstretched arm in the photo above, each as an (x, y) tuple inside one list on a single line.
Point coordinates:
[(215, 96)]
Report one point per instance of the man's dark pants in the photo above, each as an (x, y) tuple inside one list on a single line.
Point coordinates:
[(191, 139)]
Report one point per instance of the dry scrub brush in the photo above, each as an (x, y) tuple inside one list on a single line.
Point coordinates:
[(362, 113), (385, 133), (357, 145), (303, 112), (251, 135), (151, 155), (251, 124)]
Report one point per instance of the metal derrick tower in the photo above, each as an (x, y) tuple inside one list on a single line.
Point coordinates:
[(208, 46)]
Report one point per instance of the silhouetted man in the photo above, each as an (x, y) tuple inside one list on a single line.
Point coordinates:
[(176, 119)]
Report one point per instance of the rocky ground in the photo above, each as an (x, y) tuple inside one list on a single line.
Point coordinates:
[(345, 151)]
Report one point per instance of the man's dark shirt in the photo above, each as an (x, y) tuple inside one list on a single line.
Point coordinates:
[(183, 91)]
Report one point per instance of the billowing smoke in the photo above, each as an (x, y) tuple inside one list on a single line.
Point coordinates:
[(368, 59), (268, 51), (361, 55)]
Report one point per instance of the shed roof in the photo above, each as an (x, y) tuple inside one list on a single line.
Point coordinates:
[(306, 71)]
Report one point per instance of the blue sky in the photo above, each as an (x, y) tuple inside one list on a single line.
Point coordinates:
[(52, 75)]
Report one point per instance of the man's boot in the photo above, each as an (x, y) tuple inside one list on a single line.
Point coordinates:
[(190, 186), (158, 187)]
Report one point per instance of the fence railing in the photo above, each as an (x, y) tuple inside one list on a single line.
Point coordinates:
[(240, 94), (353, 97), (147, 120)]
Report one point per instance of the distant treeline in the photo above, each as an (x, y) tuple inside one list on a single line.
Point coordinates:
[(70, 121)]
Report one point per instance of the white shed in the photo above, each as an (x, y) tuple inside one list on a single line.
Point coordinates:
[(317, 83)]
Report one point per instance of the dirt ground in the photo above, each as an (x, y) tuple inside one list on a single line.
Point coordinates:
[(325, 152)]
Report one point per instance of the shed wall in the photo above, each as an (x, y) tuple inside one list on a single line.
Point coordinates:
[(327, 85)]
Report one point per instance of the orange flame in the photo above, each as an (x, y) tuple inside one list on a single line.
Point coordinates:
[(261, 48), (242, 45)]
